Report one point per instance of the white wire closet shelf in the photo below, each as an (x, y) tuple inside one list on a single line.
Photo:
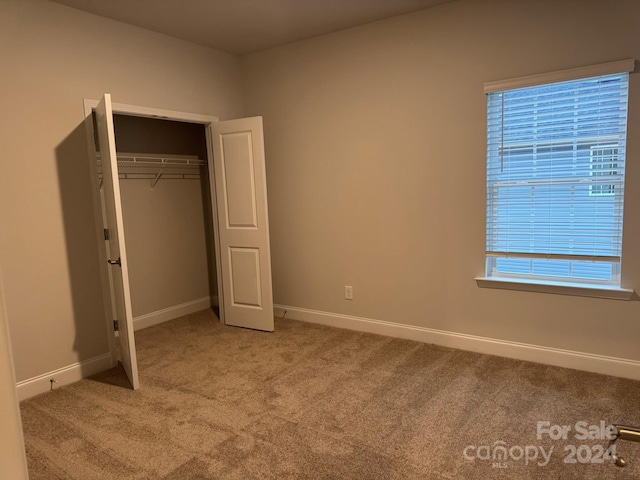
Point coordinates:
[(143, 166)]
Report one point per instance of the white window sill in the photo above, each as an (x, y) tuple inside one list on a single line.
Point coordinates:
[(578, 289)]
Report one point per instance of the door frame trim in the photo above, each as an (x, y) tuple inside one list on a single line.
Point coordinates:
[(162, 114)]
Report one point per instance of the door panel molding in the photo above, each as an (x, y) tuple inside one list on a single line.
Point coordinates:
[(244, 271), (238, 180)]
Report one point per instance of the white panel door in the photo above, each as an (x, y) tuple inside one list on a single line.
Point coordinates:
[(118, 253), (240, 193)]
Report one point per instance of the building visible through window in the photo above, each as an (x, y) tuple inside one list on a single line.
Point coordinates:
[(604, 162)]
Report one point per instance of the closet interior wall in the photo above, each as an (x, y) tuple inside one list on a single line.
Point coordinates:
[(167, 223)]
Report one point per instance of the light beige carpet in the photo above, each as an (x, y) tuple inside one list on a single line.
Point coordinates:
[(321, 403)]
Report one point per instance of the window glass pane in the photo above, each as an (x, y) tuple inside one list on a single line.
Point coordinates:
[(551, 268), (516, 266), (555, 269)]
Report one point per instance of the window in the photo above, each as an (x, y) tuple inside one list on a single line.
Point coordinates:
[(555, 180)]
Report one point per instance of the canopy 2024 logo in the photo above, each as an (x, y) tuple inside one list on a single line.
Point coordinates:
[(499, 453)]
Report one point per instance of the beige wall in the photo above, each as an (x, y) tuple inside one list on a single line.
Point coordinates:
[(154, 136), (166, 243), (52, 58), (375, 141), (13, 462)]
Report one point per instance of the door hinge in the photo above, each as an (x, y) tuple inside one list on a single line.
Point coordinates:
[(106, 234), (115, 325)]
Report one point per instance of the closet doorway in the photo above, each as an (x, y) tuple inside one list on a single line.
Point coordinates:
[(228, 251)]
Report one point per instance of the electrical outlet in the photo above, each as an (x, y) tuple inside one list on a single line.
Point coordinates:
[(348, 292)]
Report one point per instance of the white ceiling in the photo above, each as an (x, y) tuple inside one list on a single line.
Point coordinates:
[(246, 26)]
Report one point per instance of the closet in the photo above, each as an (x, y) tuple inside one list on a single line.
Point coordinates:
[(166, 206), (185, 218)]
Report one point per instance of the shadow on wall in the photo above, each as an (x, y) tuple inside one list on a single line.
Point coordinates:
[(82, 247)]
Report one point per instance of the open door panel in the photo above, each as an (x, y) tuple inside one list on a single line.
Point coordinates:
[(239, 189), (118, 261)]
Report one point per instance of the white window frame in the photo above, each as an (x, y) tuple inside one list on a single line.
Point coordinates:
[(551, 284)]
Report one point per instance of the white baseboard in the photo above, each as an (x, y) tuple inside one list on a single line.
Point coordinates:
[(166, 314), (63, 376), (618, 367)]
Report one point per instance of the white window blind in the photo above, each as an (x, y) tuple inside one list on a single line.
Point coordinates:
[(555, 180)]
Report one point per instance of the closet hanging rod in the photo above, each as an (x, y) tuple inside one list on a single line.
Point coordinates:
[(154, 166), (158, 161)]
